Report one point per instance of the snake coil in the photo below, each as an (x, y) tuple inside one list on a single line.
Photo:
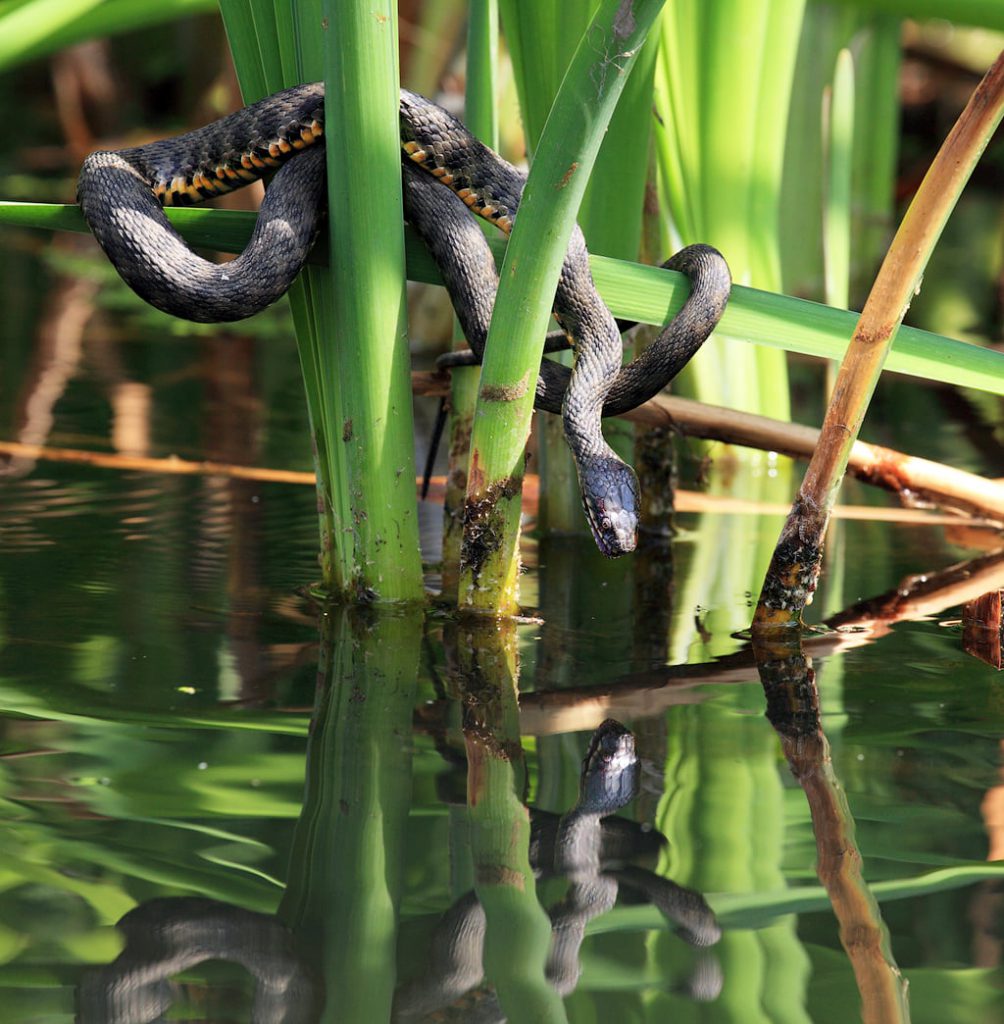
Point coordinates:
[(122, 193)]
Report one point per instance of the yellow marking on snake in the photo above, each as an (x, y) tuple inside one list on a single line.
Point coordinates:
[(284, 146)]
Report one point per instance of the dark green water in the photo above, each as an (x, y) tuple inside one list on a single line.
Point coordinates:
[(275, 791)]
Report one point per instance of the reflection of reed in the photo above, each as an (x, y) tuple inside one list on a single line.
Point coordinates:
[(645, 694), (586, 845), (793, 709), (987, 906), (347, 860), (483, 668), (58, 346)]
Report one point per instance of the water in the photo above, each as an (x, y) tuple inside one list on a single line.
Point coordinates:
[(274, 795)]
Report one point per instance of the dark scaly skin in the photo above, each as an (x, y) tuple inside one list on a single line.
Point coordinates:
[(441, 145), (121, 194), (608, 493)]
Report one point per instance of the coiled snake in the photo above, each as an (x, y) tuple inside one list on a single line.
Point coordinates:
[(121, 194)]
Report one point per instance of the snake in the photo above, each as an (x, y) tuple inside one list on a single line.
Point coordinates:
[(122, 194)]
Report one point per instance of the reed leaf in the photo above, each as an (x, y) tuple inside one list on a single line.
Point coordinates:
[(40, 27), (542, 38), (641, 293), (723, 88), (983, 13)]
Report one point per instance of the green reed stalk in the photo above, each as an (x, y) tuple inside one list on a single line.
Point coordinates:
[(723, 91), (564, 159), (353, 350), (541, 38), (839, 135), (367, 256), (875, 43)]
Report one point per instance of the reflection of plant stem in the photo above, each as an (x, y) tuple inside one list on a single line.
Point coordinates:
[(793, 710), (345, 871), (486, 659)]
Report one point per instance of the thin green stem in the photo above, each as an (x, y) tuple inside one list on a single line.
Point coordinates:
[(567, 151)]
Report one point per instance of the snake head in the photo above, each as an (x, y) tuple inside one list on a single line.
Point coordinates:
[(610, 497), (609, 770)]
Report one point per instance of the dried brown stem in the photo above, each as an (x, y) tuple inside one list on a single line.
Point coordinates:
[(794, 570), (917, 481)]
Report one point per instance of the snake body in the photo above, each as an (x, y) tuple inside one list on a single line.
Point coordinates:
[(121, 193)]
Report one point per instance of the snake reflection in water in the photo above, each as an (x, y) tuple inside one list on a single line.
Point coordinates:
[(121, 194)]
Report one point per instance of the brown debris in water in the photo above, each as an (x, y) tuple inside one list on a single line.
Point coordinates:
[(983, 628)]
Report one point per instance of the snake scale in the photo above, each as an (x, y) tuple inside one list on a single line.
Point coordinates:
[(122, 193)]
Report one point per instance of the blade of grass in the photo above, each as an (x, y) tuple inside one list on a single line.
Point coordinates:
[(794, 569), (838, 131), (542, 38)]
